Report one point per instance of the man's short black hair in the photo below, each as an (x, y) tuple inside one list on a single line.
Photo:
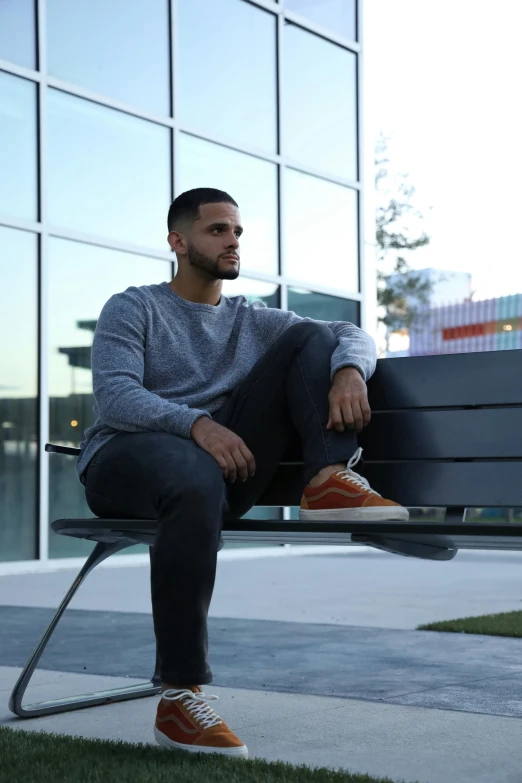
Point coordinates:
[(186, 206)]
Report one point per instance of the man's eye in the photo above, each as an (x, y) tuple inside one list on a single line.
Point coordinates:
[(237, 233)]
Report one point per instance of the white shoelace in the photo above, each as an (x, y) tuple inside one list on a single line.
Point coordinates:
[(197, 705), (350, 474)]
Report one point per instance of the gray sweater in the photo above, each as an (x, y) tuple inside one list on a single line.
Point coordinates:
[(160, 362)]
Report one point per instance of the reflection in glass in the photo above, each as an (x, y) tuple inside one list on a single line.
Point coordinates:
[(250, 181), (113, 48), (17, 32), (252, 290), (320, 117), (109, 173), (320, 232), (18, 189), (321, 307), (339, 16), (81, 279), (227, 71), (18, 394)]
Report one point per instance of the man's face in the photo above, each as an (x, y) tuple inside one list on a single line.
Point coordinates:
[(212, 243)]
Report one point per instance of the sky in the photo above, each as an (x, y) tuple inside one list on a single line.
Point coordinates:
[(443, 78)]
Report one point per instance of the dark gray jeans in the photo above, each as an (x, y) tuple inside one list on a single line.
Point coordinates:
[(155, 475)]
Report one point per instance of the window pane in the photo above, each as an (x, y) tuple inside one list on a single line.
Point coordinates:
[(327, 213), (335, 15), (227, 70), (17, 32), (18, 394), (252, 290), (203, 164), (116, 48), (81, 279), (322, 307), (18, 194), (109, 173), (320, 112)]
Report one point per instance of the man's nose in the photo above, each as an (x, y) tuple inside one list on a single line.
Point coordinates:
[(233, 242)]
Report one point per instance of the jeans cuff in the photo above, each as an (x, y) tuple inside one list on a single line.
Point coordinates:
[(202, 679)]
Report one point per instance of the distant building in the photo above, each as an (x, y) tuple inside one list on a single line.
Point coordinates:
[(489, 325), (446, 286)]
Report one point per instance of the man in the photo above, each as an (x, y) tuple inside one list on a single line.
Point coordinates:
[(198, 396)]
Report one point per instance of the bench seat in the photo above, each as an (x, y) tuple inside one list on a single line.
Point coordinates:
[(448, 536)]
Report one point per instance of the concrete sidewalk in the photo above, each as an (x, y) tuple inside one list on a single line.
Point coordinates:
[(403, 743), (368, 589)]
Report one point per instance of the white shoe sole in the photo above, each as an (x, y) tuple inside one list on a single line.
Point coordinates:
[(165, 742), (371, 514)]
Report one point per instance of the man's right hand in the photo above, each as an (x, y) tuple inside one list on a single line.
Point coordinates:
[(227, 448)]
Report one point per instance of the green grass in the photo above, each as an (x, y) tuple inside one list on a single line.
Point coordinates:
[(503, 624), (50, 758)]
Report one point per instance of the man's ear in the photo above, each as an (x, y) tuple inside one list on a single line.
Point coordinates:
[(178, 242)]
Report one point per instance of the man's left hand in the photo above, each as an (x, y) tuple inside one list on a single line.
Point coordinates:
[(348, 400)]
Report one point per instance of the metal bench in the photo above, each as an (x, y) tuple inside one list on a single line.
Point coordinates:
[(446, 432)]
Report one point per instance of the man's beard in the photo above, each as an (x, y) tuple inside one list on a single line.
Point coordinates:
[(210, 265)]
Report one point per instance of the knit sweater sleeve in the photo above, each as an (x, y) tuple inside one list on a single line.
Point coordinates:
[(118, 353), (355, 347)]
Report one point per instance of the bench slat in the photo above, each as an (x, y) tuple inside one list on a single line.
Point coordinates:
[(488, 378), (469, 484), (417, 484), (457, 434)]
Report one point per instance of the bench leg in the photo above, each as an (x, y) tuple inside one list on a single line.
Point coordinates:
[(99, 553), (455, 514)]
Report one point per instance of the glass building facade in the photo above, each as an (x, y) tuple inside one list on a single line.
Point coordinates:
[(108, 110)]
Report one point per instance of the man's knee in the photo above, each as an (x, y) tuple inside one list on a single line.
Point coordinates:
[(193, 504), (198, 482), (310, 331)]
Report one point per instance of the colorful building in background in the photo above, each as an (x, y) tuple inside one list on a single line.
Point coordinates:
[(489, 325)]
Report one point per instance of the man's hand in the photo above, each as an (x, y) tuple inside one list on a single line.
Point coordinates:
[(348, 400), (227, 448)]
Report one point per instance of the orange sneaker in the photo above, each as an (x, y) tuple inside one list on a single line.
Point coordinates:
[(346, 495), (185, 720)]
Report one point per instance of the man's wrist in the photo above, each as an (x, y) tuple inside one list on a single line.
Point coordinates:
[(198, 420), (349, 370)]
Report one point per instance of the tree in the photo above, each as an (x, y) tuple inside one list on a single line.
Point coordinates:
[(401, 292)]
